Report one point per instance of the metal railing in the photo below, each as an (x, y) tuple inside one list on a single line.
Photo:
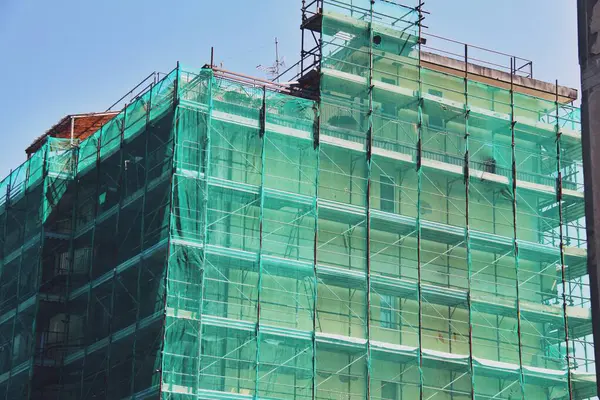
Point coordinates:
[(471, 54)]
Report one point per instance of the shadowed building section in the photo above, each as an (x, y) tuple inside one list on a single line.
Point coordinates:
[(589, 61)]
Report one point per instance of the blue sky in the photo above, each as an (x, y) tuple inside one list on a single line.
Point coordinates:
[(72, 56)]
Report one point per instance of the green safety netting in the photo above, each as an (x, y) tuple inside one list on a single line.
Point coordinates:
[(410, 234)]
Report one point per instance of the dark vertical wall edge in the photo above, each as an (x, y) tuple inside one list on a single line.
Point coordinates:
[(589, 60)]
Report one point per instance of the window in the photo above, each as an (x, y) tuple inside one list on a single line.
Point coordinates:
[(389, 390), (61, 264), (436, 121), (20, 347), (389, 108), (82, 260), (388, 315), (387, 194)]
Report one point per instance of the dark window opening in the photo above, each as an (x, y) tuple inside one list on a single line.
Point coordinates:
[(436, 121), (387, 194), (490, 165)]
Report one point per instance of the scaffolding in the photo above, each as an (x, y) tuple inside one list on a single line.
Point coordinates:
[(382, 229)]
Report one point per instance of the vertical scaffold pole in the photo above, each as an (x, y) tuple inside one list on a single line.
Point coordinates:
[(316, 148), (143, 224), (368, 200), (122, 183), (559, 188), (4, 231), (40, 258), (303, 11), (14, 322), (206, 166), (92, 245), (514, 210), (467, 227), (419, 190), (174, 138), (262, 132), (71, 258)]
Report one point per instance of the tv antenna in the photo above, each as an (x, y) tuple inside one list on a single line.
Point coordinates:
[(273, 70)]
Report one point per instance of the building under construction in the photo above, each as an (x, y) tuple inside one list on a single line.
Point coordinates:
[(402, 220)]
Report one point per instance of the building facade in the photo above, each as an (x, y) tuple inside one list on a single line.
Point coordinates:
[(394, 224)]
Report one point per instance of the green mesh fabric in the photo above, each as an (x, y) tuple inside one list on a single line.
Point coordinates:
[(83, 256), (414, 233)]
